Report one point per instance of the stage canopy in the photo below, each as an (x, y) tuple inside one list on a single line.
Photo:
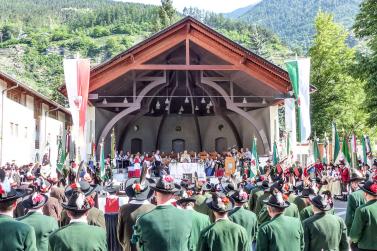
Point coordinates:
[(187, 87)]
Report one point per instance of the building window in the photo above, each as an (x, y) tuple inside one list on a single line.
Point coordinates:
[(25, 134)]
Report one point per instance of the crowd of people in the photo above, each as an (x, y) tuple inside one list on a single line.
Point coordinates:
[(290, 208)]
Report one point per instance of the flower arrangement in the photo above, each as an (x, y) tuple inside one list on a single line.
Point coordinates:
[(168, 179), (137, 187), (75, 186), (243, 195), (373, 188), (37, 198)]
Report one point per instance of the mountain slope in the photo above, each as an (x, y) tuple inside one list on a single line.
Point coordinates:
[(35, 35), (240, 11), (293, 20)]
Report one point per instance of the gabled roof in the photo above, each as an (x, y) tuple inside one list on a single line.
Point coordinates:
[(194, 30), (10, 80)]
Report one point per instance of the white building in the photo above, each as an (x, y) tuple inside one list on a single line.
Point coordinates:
[(28, 121)]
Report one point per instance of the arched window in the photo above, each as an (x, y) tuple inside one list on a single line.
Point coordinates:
[(221, 144), (178, 145), (136, 145)]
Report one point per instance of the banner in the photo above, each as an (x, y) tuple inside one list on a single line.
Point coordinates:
[(254, 162), (61, 157), (76, 74), (275, 155), (316, 153), (299, 74), (290, 124), (102, 160), (364, 146), (335, 143)]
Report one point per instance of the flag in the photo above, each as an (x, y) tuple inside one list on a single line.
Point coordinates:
[(316, 153), (76, 74), (325, 149), (102, 160), (112, 151), (290, 123), (354, 150), (344, 154), (61, 157), (254, 162), (299, 74), (364, 146), (275, 155), (335, 143)]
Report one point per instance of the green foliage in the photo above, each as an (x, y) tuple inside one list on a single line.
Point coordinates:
[(46, 31), (340, 95), (366, 28), (293, 20)]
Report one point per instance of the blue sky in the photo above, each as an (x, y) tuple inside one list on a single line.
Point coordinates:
[(219, 6)]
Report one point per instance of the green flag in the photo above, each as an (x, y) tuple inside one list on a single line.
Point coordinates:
[(254, 163), (102, 160), (316, 150), (335, 142), (345, 150), (364, 145), (61, 157), (325, 148), (275, 155)]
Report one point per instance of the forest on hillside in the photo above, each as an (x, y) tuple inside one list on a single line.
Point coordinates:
[(35, 35)]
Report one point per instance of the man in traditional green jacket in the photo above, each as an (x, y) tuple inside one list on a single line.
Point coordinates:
[(200, 205), (259, 202), (355, 200), (302, 201), (281, 232), (165, 227), (324, 231), (43, 225), (95, 216), (256, 193), (199, 221), (364, 225), (243, 217), (223, 235), (14, 235), (78, 235)]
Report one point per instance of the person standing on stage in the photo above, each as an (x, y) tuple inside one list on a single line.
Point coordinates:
[(281, 232), (157, 162), (324, 231), (165, 227), (364, 225), (15, 235)]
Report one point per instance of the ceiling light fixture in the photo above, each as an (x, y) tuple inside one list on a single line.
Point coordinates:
[(166, 101), (196, 108), (158, 106), (187, 100), (203, 101), (210, 103), (104, 101), (125, 101), (244, 101), (264, 101)]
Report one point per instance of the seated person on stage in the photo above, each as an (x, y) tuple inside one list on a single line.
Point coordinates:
[(185, 157)]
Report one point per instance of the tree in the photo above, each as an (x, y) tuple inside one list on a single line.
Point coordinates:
[(340, 95), (167, 12), (366, 28)]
